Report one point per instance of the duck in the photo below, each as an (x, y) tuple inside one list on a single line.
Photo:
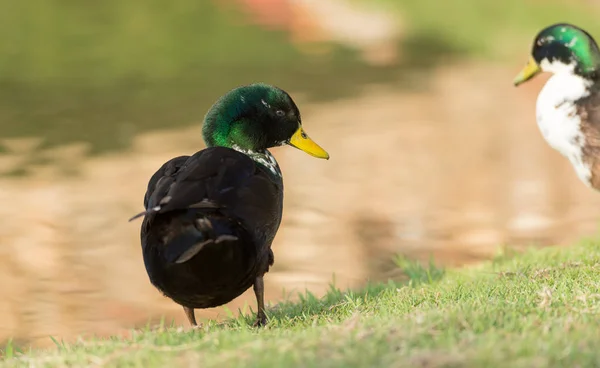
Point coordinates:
[(210, 218), (568, 106)]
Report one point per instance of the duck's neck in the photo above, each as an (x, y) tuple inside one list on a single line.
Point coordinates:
[(564, 88), (221, 135), (264, 158)]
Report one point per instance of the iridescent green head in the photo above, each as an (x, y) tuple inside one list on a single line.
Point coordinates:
[(255, 117), (562, 48)]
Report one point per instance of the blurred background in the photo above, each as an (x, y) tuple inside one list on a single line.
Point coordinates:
[(434, 153)]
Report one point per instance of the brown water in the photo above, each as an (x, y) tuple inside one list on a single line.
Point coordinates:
[(454, 173)]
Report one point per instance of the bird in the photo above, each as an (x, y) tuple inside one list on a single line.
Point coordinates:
[(568, 106), (210, 218)]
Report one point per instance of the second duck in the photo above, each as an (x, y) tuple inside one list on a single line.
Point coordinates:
[(568, 107)]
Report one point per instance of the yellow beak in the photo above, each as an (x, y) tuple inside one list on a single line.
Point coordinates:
[(301, 141), (529, 71)]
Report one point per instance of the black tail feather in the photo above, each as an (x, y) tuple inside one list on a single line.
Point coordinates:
[(186, 245), (205, 203), (146, 212), (143, 213)]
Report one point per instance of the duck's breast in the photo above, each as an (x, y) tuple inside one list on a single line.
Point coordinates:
[(559, 122)]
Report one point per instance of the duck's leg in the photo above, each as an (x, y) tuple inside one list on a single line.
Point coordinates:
[(259, 291), (189, 313)]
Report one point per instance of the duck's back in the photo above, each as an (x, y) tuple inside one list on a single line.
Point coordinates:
[(588, 110), (210, 221)]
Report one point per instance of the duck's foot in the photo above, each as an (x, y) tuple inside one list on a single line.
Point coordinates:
[(261, 320), (198, 327)]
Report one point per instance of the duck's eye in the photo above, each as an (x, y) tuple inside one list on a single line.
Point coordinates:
[(279, 112)]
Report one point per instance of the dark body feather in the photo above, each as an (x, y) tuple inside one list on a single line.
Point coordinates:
[(211, 218)]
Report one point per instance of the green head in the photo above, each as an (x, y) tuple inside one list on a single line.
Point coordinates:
[(562, 48), (255, 117)]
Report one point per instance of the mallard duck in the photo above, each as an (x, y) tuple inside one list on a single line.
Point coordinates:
[(211, 217), (568, 107)]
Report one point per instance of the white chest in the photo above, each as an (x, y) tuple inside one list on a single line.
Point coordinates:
[(558, 120)]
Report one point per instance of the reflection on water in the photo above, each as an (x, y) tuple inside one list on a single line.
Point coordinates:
[(107, 72), (453, 173)]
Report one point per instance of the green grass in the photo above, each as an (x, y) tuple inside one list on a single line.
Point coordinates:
[(538, 309)]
